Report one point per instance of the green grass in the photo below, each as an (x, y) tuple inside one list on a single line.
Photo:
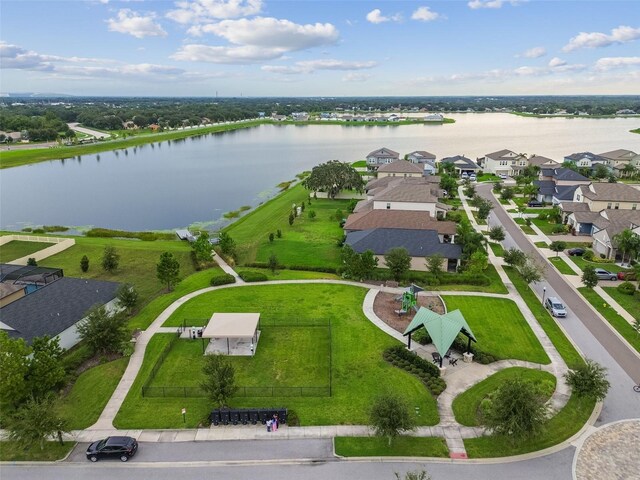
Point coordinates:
[(541, 244), (631, 303), (539, 211), (623, 327), (308, 242), (357, 350), (499, 327), (480, 221), (545, 226), (497, 248), (561, 265), (400, 447), (496, 285), (564, 347), (11, 452), (578, 245), (17, 249), (90, 393), (611, 267), (359, 164), (291, 274), (466, 406), (488, 177)]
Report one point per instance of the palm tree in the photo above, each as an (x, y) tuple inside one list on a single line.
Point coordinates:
[(530, 190), (629, 170), (627, 241)]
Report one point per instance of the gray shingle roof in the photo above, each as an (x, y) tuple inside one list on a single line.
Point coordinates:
[(565, 192), (419, 243), (384, 152), (406, 219), (620, 155), (574, 157), (423, 154), (461, 161), (400, 166), (545, 187), (407, 193), (615, 192), (501, 153), (564, 174)]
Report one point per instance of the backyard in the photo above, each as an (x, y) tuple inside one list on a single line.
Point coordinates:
[(17, 249)]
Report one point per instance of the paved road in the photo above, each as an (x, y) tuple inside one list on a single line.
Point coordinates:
[(588, 331), (88, 131)]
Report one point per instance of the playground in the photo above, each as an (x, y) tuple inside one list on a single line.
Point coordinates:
[(388, 305)]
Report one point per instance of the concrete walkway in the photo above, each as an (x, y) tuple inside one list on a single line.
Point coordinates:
[(227, 268)]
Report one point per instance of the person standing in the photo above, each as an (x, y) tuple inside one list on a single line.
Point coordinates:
[(269, 423)]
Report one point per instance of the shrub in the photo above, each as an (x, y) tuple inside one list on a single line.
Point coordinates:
[(279, 232), (222, 279), (588, 255), (250, 276), (627, 288), (422, 337), (271, 237), (559, 229)]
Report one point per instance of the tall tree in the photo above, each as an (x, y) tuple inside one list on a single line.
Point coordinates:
[(102, 332), (558, 246), (110, 259), (168, 270), (434, 264), (46, 371), (398, 261), (202, 248), (449, 184), (84, 263), (531, 271), (332, 177), (589, 277), (34, 422), (219, 379), (627, 242), (514, 257), (390, 416), (227, 244), (127, 297), (497, 233), (14, 365)]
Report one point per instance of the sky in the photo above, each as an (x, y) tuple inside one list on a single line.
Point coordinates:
[(256, 48)]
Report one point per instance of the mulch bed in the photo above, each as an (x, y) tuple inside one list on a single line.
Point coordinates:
[(385, 306)]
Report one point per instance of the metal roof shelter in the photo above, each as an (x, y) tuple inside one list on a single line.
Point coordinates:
[(443, 329), (233, 326)]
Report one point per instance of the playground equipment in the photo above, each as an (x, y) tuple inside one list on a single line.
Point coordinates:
[(409, 299)]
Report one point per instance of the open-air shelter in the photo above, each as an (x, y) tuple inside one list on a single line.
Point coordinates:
[(233, 333), (443, 329)]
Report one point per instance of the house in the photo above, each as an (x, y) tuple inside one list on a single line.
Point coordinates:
[(407, 196), (430, 168), (420, 156), (403, 219), (614, 196), (567, 207), (563, 176), (462, 164), (619, 159), (381, 156), (504, 162), (279, 118), (377, 185), (608, 225), (586, 160), (543, 162), (434, 117), (419, 244), (155, 127), (400, 168), (129, 125)]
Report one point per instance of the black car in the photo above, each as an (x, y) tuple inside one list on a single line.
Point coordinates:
[(113, 447), (535, 203), (578, 252)]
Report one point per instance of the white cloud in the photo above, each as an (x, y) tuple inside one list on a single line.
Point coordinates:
[(476, 4), (282, 69), (203, 11), (557, 62), (535, 52), (425, 14), (607, 63), (356, 77), (239, 55), (310, 66), (138, 25), (375, 16), (621, 34), (16, 57)]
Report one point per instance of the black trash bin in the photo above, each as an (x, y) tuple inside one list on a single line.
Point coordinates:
[(215, 417), (254, 418), (244, 416), (224, 417), (234, 417), (282, 415), (263, 415)]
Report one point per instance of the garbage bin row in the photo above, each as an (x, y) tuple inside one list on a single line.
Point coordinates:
[(245, 416)]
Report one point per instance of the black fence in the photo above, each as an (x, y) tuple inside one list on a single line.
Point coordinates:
[(159, 362)]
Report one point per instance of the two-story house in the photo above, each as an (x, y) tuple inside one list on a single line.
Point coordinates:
[(619, 159), (587, 160), (400, 168), (420, 156), (381, 156), (504, 162), (462, 164)]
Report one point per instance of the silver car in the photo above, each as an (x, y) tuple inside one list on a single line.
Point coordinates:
[(556, 307), (603, 274)]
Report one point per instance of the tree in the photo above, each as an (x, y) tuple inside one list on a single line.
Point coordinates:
[(588, 380), (127, 297), (434, 264), (202, 248), (531, 271), (332, 177), (589, 277), (110, 259), (312, 214), (449, 184), (516, 410), (273, 263), (390, 416), (628, 170), (103, 332), (530, 190), (46, 371), (84, 263), (31, 262), (497, 187), (227, 244), (506, 193), (478, 262), (279, 232), (497, 233), (271, 237), (558, 246), (628, 242), (469, 189), (484, 207), (398, 261), (358, 266), (292, 218), (14, 365), (219, 379), (600, 172), (34, 422), (168, 270)]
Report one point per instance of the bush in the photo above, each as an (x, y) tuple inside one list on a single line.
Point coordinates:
[(559, 229), (422, 337), (588, 255), (627, 288), (222, 279), (250, 276), (426, 371)]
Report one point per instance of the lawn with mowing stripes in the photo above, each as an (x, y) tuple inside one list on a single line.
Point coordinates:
[(400, 447), (611, 267), (17, 249), (52, 451), (499, 327), (562, 266), (466, 406), (631, 303), (497, 249)]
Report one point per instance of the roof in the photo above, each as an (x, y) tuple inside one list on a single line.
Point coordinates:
[(400, 166), (407, 193), (57, 306), (419, 243), (620, 155), (422, 154), (614, 192), (501, 154), (545, 187), (575, 157), (586, 217), (574, 207), (565, 192), (390, 181), (539, 161), (565, 174), (383, 152), (460, 160), (408, 219), (615, 221), (231, 325), (443, 329)]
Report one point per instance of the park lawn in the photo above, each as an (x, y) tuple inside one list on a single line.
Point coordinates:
[(631, 303), (497, 248), (496, 285), (578, 245), (623, 327), (290, 274), (357, 363), (308, 242), (611, 267), (12, 452), (561, 265), (400, 447), (466, 406), (499, 327), (82, 406), (563, 345), (17, 249)]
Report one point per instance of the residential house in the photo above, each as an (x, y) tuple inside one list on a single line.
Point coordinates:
[(586, 160), (543, 162), (381, 156), (400, 168), (430, 168), (434, 117), (278, 118), (407, 196), (613, 196), (504, 162), (462, 164), (420, 156), (563, 176), (619, 159), (610, 224), (558, 184)]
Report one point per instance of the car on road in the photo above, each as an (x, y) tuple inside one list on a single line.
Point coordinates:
[(535, 203), (578, 252), (113, 447), (603, 274), (555, 306)]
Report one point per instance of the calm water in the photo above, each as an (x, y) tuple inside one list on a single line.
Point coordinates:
[(175, 184)]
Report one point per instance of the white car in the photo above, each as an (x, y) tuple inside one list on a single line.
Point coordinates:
[(503, 176), (473, 177)]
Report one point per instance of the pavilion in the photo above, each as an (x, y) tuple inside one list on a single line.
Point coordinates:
[(233, 333), (443, 329)]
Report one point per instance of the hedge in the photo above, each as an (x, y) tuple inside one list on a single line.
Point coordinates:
[(627, 288), (222, 279), (426, 371), (293, 267), (250, 276)]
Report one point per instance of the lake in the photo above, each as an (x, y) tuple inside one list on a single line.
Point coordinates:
[(175, 184)]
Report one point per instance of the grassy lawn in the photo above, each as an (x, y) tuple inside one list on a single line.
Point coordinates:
[(630, 303), (623, 327), (611, 267), (357, 363), (488, 177), (545, 226), (290, 274), (546, 321), (496, 285), (504, 333), (578, 245), (561, 265), (466, 406), (10, 452), (17, 249), (309, 242), (539, 211), (90, 393), (480, 221), (542, 244), (504, 202), (359, 164), (497, 248), (400, 447)]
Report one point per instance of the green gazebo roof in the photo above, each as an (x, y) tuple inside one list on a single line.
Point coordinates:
[(443, 329)]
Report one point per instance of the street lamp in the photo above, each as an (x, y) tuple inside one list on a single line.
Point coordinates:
[(544, 293)]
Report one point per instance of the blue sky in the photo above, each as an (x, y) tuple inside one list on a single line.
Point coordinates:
[(320, 48)]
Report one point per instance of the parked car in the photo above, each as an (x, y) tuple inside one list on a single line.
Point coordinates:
[(629, 276), (113, 447), (555, 306), (578, 252), (473, 177), (535, 203), (503, 176), (603, 274), (464, 175)]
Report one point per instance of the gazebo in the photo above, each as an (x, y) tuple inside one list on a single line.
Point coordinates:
[(443, 329), (239, 331)]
